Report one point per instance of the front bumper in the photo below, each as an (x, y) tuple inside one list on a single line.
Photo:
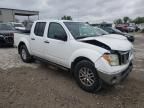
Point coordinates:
[(112, 79)]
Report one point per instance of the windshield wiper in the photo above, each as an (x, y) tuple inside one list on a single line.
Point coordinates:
[(87, 36), (81, 37), (103, 34)]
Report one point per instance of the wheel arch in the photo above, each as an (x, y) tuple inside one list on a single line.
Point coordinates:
[(19, 46), (23, 43), (88, 54), (78, 59)]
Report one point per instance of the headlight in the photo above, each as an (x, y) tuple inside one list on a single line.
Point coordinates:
[(112, 59)]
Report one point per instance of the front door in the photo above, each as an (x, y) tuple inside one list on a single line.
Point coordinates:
[(56, 49)]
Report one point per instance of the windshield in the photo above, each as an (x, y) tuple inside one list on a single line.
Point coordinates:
[(101, 31), (18, 25), (81, 30), (6, 27)]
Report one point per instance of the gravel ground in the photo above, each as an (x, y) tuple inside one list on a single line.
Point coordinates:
[(39, 85)]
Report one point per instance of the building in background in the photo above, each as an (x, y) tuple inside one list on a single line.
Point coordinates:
[(8, 15)]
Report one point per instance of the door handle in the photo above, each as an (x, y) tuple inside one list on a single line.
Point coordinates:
[(32, 38), (46, 41)]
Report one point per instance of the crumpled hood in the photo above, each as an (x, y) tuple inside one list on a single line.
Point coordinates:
[(116, 36), (113, 43)]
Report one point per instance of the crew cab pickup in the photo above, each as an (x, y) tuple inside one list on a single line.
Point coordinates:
[(93, 59)]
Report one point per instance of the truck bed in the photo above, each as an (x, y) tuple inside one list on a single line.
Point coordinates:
[(18, 36)]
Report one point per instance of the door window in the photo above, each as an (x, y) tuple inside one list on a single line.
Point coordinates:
[(39, 28), (55, 29)]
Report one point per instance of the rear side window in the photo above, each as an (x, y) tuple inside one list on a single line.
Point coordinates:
[(39, 28)]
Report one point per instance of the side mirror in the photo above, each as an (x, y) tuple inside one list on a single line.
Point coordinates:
[(61, 37)]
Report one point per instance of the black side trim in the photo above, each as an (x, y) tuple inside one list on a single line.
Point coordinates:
[(49, 62), (97, 43)]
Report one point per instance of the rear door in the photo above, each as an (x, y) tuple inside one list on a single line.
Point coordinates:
[(37, 39)]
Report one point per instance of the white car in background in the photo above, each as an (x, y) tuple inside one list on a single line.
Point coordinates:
[(131, 28), (18, 26)]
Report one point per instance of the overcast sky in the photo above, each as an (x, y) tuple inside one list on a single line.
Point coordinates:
[(86, 10)]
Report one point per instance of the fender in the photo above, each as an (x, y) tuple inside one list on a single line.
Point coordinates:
[(26, 42), (92, 55)]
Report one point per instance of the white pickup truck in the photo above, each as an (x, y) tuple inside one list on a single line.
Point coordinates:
[(94, 59)]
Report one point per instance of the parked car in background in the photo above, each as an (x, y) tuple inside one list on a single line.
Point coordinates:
[(137, 28), (131, 29), (18, 26), (6, 34), (141, 26), (112, 30), (108, 34), (92, 58), (122, 28)]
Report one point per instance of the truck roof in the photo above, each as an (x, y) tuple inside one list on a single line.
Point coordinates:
[(56, 21)]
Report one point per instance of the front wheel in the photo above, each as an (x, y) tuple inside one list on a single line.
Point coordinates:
[(87, 77), (25, 56)]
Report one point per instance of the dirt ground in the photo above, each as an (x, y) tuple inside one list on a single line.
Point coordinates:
[(38, 85)]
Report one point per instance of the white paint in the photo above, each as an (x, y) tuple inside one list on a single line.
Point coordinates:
[(64, 53)]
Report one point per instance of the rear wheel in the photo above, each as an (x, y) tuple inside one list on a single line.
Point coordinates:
[(86, 76), (25, 56)]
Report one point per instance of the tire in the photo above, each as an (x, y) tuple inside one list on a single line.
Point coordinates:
[(84, 80), (24, 54)]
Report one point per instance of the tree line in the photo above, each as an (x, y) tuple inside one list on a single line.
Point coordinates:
[(137, 20), (66, 17), (124, 20)]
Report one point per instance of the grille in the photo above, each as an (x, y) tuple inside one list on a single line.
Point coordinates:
[(124, 57), (9, 39)]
